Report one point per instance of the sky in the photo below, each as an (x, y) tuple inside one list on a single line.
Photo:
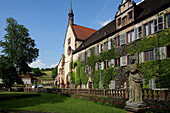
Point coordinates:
[(47, 21)]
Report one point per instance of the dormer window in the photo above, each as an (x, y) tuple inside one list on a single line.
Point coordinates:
[(119, 21), (124, 22), (130, 15)]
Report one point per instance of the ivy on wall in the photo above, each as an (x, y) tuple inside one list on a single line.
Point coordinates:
[(160, 70), (153, 69), (147, 44)]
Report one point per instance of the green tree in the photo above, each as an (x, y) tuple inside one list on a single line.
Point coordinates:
[(18, 50), (54, 72), (37, 72)]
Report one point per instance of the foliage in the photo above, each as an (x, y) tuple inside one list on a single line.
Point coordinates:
[(153, 69), (78, 77), (156, 69), (8, 72), (150, 43), (36, 72), (54, 72), (18, 51)]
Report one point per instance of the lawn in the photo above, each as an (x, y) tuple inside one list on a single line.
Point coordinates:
[(57, 103), (47, 72)]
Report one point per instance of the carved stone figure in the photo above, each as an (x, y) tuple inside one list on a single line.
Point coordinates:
[(135, 83)]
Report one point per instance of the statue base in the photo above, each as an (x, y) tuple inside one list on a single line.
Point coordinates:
[(135, 107)]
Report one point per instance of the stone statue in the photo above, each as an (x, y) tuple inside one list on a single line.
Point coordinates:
[(135, 83)]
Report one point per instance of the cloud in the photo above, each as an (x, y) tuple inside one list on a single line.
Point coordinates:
[(37, 63), (53, 65), (106, 22)]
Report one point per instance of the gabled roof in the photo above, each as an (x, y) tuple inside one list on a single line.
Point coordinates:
[(98, 35), (82, 33)]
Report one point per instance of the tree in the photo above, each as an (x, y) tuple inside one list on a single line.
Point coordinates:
[(37, 72), (18, 50), (54, 72)]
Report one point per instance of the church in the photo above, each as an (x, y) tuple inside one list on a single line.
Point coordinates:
[(98, 58)]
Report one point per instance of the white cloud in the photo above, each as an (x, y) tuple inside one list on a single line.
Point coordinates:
[(37, 63), (106, 22), (53, 65)]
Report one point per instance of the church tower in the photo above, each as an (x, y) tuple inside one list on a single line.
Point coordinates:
[(71, 15)]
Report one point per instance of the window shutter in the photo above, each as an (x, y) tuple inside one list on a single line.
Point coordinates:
[(95, 48), (102, 65), (141, 57), (96, 66), (123, 39), (162, 53), (152, 28), (123, 61), (109, 44), (99, 48), (136, 33), (133, 35)]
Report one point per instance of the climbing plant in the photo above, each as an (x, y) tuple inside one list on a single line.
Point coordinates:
[(153, 69)]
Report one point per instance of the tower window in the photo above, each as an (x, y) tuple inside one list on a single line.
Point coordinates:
[(69, 41), (130, 15), (119, 21)]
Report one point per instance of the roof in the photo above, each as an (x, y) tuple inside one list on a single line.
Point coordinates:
[(98, 35), (151, 6), (81, 32), (144, 9)]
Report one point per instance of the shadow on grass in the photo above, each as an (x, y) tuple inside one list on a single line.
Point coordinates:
[(44, 99)]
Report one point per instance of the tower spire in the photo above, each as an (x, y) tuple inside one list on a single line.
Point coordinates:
[(71, 15)]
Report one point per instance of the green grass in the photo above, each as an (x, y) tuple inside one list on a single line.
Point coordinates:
[(47, 72), (12, 94), (57, 103)]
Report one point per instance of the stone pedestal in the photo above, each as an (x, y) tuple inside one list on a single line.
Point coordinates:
[(135, 108)]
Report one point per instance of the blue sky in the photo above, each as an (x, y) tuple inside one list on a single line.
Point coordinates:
[(47, 22)]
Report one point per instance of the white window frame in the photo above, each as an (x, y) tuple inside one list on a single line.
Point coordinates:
[(123, 61), (157, 23)]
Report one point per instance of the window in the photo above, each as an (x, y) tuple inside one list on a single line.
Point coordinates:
[(115, 42), (118, 61), (128, 37), (146, 29), (119, 21), (124, 21), (133, 35), (168, 51), (115, 63), (128, 60), (100, 48), (152, 55), (168, 20), (138, 33), (97, 49), (69, 41), (151, 27), (159, 24), (147, 56), (105, 46), (130, 15), (118, 39)]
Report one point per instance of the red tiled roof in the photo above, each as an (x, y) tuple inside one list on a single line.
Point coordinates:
[(82, 33)]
